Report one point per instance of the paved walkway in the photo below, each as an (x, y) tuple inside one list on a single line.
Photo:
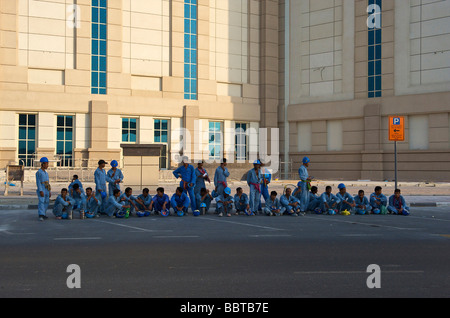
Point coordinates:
[(415, 193)]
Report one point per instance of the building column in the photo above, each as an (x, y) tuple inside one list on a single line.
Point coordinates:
[(372, 165)]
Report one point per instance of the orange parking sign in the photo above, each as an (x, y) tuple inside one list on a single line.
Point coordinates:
[(397, 128)]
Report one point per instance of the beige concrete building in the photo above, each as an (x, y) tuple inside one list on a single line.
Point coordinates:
[(82, 79)]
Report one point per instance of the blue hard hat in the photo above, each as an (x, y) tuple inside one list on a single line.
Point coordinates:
[(147, 213), (165, 212), (89, 215), (203, 205), (227, 190), (114, 163), (103, 194), (180, 213), (196, 213), (140, 214), (306, 160), (331, 212), (341, 186), (257, 162), (43, 160)]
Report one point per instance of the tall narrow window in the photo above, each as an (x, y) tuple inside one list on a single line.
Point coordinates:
[(161, 135), (374, 51), (64, 140), (99, 44), (27, 139), (129, 130), (190, 49), (241, 141), (215, 140)]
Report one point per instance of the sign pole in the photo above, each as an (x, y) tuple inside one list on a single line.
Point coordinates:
[(395, 158)]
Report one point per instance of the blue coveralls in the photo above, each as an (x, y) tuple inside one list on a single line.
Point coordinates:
[(61, 204), (199, 181), (220, 206), (240, 203), (207, 201), (128, 200), (394, 204), (159, 201), (344, 206), (100, 179), (304, 196), (254, 181), (285, 201), (146, 199), (113, 206), (265, 174), (220, 179), (330, 200), (43, 202), (90, 206), (179, 201), (364, 202), (111, 180), (314, 201), (273, 205), (373, 203), (187, 176)]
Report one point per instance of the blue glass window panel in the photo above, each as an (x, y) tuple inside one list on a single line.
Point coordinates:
[(187, 71), (23, 119), (95, 3), (102, 91), (22, 133), (371, 95), (103, 31), (378, 83), (194, 1), (22, 147), (103, 3), (371, 68), (371, 83), (193, 71), (94, 79), (102, 45), (31, 133), (193, 12), (31, 120), (102, 80), (193, 41), (187, 26), (94, 90), (124, 136), (102, 66), (157, 136), (164, 124), (95, 31), (187, 56), (60, 147), (125, 123), (95, 48), (187, 41), (371, 37), (60, 134), (68, 149), (193, 27), (187, 11), (378, 52), (194, 56), (193, 86), (377, 36), (132, 135), (103, 16), (378, 67), (157, 124), (187, 86), (371, 53), (95, 65), (133, 123), (69, 134), (95, 15), (378, 94), (31, 147), (164, 136)]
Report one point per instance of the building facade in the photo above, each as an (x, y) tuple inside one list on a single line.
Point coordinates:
[(81, 79)]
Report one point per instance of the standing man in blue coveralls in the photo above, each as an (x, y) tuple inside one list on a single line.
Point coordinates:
[(254, 182), (43, 189), (220, 177), (305, 184), (116, 177), (188, 177), (100, 179)]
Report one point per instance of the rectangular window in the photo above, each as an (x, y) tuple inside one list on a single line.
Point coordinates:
[(64, 140), (99, 46), (241, 141), (374, 56), (27, 139), (190, 49), (129, 130), (161, 135), (215, 140)]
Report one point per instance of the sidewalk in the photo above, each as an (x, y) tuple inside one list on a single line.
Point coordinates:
[(417, 194)]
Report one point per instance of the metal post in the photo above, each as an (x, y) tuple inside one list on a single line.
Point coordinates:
[(395, 158)]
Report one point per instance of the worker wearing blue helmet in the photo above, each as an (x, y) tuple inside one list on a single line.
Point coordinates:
[(43, 189), (115, 177), (305, 184), (347, 203)]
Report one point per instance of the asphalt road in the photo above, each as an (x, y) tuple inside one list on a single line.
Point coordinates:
[(236, 257)]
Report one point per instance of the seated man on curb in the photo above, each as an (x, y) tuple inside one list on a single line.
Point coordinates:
[(290, 203), (362, 205), (63, 205), (329, 202), (224, 202), (397, 204), (378, 201), (273, 205), (180, 202)]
